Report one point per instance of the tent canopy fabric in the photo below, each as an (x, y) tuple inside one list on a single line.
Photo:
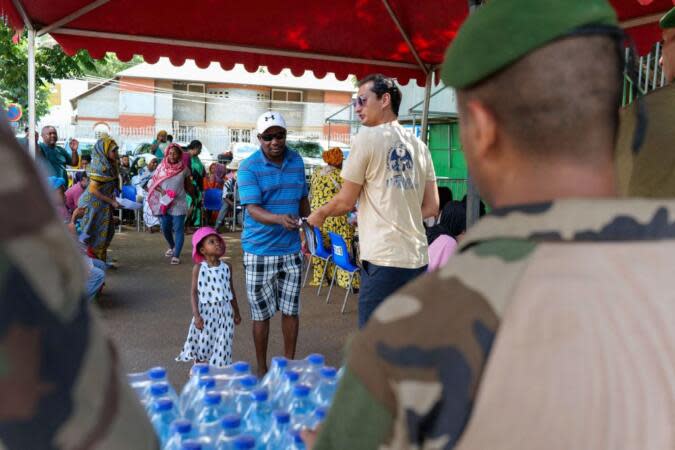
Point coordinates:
[(400, 38)]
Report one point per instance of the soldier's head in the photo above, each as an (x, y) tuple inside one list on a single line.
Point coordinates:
[(545, 100)]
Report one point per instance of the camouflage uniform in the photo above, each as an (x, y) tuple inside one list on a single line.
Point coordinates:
[(581, 293), (60, 383)]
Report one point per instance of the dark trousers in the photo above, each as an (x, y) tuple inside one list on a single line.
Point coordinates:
[(378, 283)]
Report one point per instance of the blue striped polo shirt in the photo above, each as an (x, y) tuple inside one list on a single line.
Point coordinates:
[(278, 189)]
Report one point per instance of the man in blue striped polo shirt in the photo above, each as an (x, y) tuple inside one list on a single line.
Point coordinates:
[(273, 189)]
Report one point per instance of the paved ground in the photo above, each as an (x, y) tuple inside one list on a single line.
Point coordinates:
[(146, 308)]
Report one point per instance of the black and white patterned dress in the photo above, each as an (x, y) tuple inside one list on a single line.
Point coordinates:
[(214, 342)]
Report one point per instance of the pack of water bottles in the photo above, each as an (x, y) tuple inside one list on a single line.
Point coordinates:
[(229, 408)]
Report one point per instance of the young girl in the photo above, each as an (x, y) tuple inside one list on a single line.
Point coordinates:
[(214, 303)]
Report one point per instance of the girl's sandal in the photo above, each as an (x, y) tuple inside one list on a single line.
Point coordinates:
[(175, 261), (169, 253)]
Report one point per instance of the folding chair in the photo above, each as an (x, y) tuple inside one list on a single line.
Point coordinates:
[(213, 201), (342, 260), (319, 251)]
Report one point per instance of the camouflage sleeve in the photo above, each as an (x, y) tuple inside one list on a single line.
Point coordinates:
[(421, 358), (356, 420), (60, 381)]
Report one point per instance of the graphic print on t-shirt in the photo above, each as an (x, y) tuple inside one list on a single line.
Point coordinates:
[(400, 162)]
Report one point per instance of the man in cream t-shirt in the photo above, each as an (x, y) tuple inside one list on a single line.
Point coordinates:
[(390, 173)]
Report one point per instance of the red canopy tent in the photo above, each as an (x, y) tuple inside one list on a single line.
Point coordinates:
[(401, 38)]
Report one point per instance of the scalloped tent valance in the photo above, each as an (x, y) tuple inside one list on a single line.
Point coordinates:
[(400, 38)]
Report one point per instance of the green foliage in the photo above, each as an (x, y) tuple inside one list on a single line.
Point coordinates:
[(50, 63)]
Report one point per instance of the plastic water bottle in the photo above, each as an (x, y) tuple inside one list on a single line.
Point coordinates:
[(276, 373), (231, 428), (312, 372), (205, 384), (227, 377), (301, 406), (191, 444), (296, 443), (243, 395), (181, 431), (164, 413), (278, 438), (191, 387), (323, 393), (282, 396), (157, 391), (155, 375), (258, 418), (208, 420), (317, 418), (244, 442)]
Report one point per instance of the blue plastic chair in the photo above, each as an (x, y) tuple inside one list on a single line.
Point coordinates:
[(213, 199), (129, 193), (320, 252), (342, 260)]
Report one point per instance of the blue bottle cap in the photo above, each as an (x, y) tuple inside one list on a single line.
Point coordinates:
[(212, 398), (157, 373), (316, 359), (244, 442), (241, 367), (297, 437), (301, 390), (280, 362), (206, 381), (248, 381), (200, 369), (292, 375), (162, 404), (282, 416), (159, 389), (260, 395), (320, 413), (328, 372), (231, 421), (182, 426), (191, 445)]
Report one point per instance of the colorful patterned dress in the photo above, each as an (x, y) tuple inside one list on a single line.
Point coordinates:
[(324, 185), (97, 222)]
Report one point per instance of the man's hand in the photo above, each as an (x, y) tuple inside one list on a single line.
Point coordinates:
[(74, 144), (317, 218), (289, 222), (237, 317), (115, 204)]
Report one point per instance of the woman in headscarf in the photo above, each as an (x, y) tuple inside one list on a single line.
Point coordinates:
[(198, 173), (216, 177), (324, 185), (141, 182), (167, 199), (160, 144), (98, 200)]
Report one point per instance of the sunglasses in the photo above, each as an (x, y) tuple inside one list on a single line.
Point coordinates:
[(278, 136), (360, 100)]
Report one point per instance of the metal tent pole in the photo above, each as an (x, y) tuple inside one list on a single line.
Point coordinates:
[(472, 197), (425, 110), (31, 92)]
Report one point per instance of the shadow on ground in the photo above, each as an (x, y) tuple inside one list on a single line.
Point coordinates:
[(145, 307)]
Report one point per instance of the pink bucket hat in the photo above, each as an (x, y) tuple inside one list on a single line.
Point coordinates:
[(199, 235)]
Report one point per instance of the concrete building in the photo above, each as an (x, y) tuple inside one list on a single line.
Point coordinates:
[(219, 107)]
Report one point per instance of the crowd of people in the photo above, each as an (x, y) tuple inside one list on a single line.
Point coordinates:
[(546, 325)]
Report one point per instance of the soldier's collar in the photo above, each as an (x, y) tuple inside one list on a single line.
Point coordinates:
[(578, 220)]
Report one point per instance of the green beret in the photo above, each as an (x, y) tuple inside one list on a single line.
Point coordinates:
[(502, 31), (668, 21)]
